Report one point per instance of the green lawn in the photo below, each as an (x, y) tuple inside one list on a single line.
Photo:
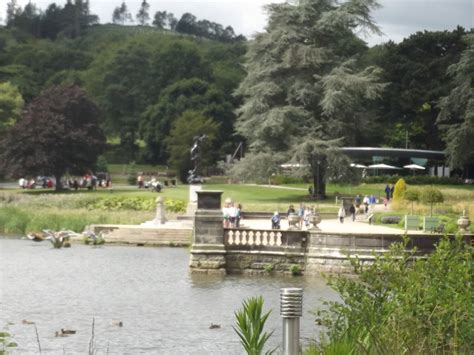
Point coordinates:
[(26, 210)]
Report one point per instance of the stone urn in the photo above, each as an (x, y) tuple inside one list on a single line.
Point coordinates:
[(463, 222), (315, 220), (293, 221)]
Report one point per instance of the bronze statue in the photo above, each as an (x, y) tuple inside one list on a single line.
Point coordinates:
[(193, 175)]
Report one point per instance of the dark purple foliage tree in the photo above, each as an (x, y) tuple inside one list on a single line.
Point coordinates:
[(58, 133)]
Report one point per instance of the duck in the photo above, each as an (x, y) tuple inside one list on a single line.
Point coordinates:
[(67, 331), (214, 326), (36, 236), (24, 321), (118, 323)]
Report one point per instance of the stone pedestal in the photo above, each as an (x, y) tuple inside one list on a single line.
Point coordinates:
[(160, 217), (193, 198), (208, 250)]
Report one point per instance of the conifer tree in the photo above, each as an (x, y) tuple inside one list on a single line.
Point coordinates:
[(305, 91)]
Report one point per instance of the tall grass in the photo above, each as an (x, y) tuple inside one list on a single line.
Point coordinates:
[(15, 220)]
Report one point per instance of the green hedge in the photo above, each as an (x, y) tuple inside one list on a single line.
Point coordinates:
[(414, 180)]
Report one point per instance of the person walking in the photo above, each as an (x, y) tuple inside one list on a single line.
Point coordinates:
[(341, 214), (352, 211), (387, 192), (301, 214)]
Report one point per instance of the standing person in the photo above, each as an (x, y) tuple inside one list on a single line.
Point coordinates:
[(352, 211), (232, 215), (372, 201), (238, 216), (387, 192), (291, 210), (225, 213), (366, 204), (341, 214), (276, 220), (301, 214), (392, 189), (357, 201), (140, 181)]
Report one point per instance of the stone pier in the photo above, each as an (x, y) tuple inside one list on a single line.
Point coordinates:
[(208, 249)]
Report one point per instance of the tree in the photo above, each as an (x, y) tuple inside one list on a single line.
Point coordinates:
[(160, 20), (416, 69), (412, 195), (121, 15), (187, 126), (304, 84), (456, 117), (11, 104), (143, 14), (13, 10), (189, 94), (431, 195), (58, 133)]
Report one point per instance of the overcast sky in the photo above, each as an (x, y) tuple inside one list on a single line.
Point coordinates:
[(396, 18)]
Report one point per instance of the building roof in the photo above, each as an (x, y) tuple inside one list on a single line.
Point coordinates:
[(369, 152)]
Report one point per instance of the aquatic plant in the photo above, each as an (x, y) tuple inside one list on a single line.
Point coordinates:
[(295, 270)]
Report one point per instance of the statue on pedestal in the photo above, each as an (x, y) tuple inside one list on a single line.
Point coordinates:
[(193, 175)]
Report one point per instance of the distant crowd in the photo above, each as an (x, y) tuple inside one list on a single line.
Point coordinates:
[(88, 181)]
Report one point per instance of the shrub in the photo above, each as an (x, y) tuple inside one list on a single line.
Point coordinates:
[(390, 219), (399, 192), (175, 206), (401, 304)]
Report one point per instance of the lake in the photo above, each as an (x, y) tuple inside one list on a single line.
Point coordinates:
[(164, 309)]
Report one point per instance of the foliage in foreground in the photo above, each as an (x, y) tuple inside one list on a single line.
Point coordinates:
[(250, 324), (404, 305)]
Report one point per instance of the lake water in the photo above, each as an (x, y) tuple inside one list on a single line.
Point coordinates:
[(164, 309)]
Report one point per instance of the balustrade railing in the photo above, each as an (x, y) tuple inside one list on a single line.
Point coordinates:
[(264, 238)]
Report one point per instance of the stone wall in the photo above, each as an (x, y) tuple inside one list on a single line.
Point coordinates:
[(263, 263)]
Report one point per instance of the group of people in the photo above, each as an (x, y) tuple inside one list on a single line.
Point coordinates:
[(304, 214), (40, 181), (88, 181), (232, 214)]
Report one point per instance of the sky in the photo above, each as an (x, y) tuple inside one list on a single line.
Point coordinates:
[(396, 18)]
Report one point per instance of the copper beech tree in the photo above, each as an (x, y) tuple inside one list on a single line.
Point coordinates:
[(58, 133)]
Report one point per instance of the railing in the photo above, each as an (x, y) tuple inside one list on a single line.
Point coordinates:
[(265, 238)]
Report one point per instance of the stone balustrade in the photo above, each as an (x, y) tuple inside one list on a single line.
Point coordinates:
[(264, 239)]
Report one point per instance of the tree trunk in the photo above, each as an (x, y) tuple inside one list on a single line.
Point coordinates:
[(58, 177), (319, 185)]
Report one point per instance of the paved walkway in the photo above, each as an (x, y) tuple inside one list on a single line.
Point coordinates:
[(332, 226)]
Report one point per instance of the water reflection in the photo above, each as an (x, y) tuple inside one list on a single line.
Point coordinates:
[(164, 309)]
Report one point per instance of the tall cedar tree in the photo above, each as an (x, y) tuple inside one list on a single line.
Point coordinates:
[(58, 133), (304, 88)]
